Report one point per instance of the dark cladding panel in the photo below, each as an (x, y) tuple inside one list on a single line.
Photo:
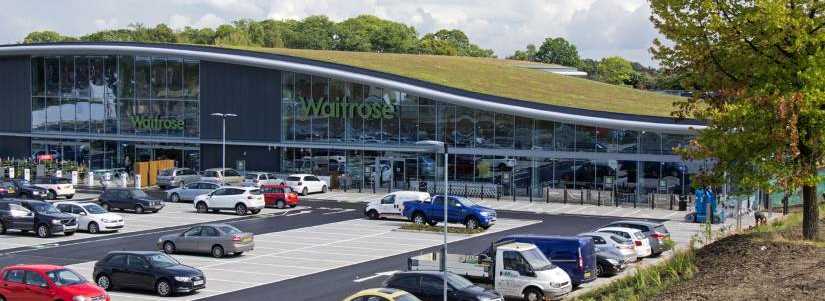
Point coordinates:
[(15, 147), (252, 93), (258, 158), (15, 94)]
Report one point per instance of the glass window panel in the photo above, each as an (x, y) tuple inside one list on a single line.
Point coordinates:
[(192, 120), (357, 124), (67, 114), (390, 126), (67, 76), (565, 173), (484, 129), (52, 76), (372, 126), (485, 170), (672, 141), (445, 129), (142, 109), (606, 140), (157, 109), (126, 110), (650, 143), (320, 93), (651, 176), (565, 137), (81, 76), (523, 136), (465, 127), (110, 114), (83, 115), (158, 79), (544, 174), (191, 79), (287, 105), (426, 120), (98, 116), (504, 130), (337, 124), (628, 141), (176, 110), (96, 78), (626, 177), (53, 114), (409, 119), (142, 77), (110, 77), (543, 134), (38, 114), (38, 76), (585, 138), (126, 76), (462, 167), (174, 76), (674, 177)]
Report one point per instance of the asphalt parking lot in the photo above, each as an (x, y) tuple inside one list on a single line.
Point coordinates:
[(279, 256)]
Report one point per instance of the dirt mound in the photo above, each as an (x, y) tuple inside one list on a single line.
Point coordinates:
[(749, 267)]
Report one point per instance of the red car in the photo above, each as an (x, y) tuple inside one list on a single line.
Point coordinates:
[(47, 282), (279, 196)]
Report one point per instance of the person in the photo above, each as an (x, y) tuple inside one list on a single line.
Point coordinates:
[(760, 218)]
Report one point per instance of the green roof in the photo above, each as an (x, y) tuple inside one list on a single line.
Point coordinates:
[(499, 77)]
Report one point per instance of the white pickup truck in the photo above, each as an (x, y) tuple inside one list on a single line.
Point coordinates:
[(518, 270)]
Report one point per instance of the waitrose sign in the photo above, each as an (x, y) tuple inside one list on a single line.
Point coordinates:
[(339, 109), (155, 123)]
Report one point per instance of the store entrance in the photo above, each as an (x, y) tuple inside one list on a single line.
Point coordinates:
[(184, 156)]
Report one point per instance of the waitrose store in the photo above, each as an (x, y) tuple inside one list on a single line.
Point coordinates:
[(109, 105)]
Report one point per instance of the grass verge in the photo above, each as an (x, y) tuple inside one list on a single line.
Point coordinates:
[(428, 228)]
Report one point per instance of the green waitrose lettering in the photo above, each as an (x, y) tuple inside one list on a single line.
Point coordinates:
[(339, 109)]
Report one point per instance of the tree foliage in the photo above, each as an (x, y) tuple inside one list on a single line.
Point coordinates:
[(615, 70), (528, 54), (46, 36), (451, 42), (759, 70), (558, 51)]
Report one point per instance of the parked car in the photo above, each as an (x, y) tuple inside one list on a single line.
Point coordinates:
[(279, 196), (306, 183), (392, 204), (609, 264), (239, 199), (147, 270), (222, 175), (176, 177), (656, 233), (576, 255), (26, 189), (8, 190), (427, 286), (257, 178), (606, 241), (190, 191), (129, 199), (640, 242), (215, 239), (56, 187), (38, 216), (47, 282), (459, 210), (382, 294), (91, 217)]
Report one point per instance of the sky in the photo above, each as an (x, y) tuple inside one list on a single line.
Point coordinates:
[(598, 28)]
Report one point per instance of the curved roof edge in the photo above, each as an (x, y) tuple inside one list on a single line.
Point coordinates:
[(356, 74)]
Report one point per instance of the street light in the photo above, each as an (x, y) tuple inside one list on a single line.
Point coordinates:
[(437, 147), (223, 117)]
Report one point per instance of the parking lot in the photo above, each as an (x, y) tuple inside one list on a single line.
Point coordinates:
[(294, 253)]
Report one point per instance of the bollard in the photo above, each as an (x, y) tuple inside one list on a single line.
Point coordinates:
[(565, 195), (90, 179), (599, 197), (530, 193), (547, 196), (513, 192), (373, 187), (138, 182), (75, 178), (652, 201), (27, 174), (360, 186), (465, 190), (671, 201), (482, 191), (11, 172), (581, 196), (635, 200)]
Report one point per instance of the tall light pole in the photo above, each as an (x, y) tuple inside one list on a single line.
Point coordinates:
[(223, 117), (436, 147)]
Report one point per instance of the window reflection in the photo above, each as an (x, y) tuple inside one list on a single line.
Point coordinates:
[(504, 130)]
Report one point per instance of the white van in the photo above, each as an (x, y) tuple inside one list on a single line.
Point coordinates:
[(392, 204)]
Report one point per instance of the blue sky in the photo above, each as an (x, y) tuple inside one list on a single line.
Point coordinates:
[(598, 27)]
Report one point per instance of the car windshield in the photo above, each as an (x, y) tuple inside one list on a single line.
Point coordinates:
[(165, 173), (229, 229), (44, 208), (137, 193), (162, 260), (210, 174), (94, 209), (619, 239), (537, 260), (458, 282), (465, 202), (294, 179), (255, 192), (65, 277)]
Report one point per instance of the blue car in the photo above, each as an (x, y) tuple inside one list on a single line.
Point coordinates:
[(576, 255), (459, 211)]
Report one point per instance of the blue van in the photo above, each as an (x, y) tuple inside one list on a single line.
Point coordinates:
[(576, 255)]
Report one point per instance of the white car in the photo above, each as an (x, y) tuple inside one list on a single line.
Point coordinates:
[(640, 241), (391, 205), (305, 184), (55, 187), (260, 178), (239, 199), (91, 217)]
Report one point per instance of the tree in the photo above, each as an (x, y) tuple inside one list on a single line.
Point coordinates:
[(449, 41), (590, 66), (615, 70), (46, 36), (314, 32), (759, 69), (558, 51), (527, 55)]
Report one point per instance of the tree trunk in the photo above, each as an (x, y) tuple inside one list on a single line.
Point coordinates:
[(810, 213)]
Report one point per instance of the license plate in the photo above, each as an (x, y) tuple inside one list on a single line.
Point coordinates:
[(199, 282), (586, 274), (246, 240)]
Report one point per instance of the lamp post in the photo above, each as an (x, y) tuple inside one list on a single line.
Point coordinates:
[(436, 147), (223, 117)]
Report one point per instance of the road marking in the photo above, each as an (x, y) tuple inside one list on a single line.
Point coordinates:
[(382, 274), (299, 213), (341, 211)]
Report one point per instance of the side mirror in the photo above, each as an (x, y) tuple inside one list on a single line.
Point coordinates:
[(82, 213), (44, 285)]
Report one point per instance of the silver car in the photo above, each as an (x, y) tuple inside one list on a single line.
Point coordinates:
[(215, 239), (176, 177), (609, 242), (227, 176), (189, 191)]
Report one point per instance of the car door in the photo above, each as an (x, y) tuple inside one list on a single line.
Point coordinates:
[(436, 211), (599, 244), (13, 284), (388, 205), (230, 197), (188, 240), (139, 272), (213, 199), (21, 217), (209, 237), (36, 287), (432, 288), (456, 211), (118, 199)]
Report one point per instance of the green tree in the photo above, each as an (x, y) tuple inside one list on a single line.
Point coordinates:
[(528, 54), (313, 32), (615, 70), (230, 35), (760, 69), (203, 36), (451, 41), (46, 36), (558, 51), (370, 33), (590, 66)]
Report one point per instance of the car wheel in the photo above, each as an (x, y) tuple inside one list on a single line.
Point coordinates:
[(43, 231), (2, 228), (139, 209), (51, 195), (292, 206), (240, 209), (217, 251), (2, 298), (372, 214), (163, 288), (533, 294), (93, 228), (599, 270), (471, 223), (174, 198), (305, 191), (280, 204), (202, 207), (104, 282), (69, 197), (169, 247), (419, 219), (324, 189)]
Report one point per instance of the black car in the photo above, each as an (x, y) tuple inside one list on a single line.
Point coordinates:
[(25, 189), (428, 286), (656, 232), (147, 270), (129, 199), (8, 190), (609, 264), (38, 216)]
